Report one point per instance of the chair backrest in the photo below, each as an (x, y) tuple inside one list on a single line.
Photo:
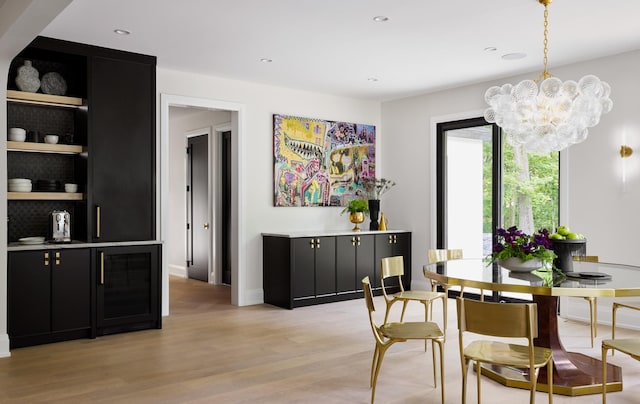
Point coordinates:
[(392, 267), (368, 297), (440, 255), (512, 320)]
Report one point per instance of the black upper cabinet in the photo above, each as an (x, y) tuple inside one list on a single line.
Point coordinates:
[(116, 122), (121, 149)]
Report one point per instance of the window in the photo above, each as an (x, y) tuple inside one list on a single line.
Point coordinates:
[(483, 183)]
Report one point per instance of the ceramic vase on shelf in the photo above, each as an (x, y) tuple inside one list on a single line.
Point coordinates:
[(28, 78), (374, 209), (516, 264), (356, 218)]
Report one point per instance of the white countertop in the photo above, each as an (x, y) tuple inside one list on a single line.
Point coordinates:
[(76, 244), (322, 233)]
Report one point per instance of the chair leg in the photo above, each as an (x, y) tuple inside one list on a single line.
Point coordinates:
[(428, 306), (433, 359), (478, 374), (441, 347), (550, 379), (604, 373), (404, 308), (465, 374), (592, 317), (373, 365), (381, 352), (445, 298), (532, 387), (613, 324)]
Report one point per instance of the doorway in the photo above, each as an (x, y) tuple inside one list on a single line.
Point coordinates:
[(198, 221), (172, 194)]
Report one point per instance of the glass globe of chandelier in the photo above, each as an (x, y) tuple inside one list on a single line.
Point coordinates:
[(551, 116)]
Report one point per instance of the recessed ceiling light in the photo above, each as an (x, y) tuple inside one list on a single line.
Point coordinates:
[(372, 79), (490, 49), (122, 31), (514, 56), (380, 18), (266, 60)]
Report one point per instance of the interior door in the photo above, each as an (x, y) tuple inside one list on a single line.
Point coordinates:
[(198, 226), (226, 207)]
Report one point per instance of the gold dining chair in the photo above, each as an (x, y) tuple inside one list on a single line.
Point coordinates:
[(630, 346), (614, 312), (392, 268), (593, 301), (435, 256), (390, 333), (504, 320)]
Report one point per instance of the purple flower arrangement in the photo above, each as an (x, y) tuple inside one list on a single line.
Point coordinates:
[(513, 242)]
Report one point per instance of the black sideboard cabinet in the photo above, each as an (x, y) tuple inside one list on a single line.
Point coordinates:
[(303, 271)]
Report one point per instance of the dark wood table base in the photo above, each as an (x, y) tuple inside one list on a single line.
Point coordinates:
[(574, 374)]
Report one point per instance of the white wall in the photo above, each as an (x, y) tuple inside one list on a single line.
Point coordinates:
[(256, 182), (598, 207), (179, 126)]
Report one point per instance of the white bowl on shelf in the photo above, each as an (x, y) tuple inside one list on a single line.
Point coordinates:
[(17, 131), (51, 139), (19, 181), (19, 188), (16, 137), (71, 188)]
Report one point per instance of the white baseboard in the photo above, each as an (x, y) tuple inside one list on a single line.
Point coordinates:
[(177, 270), (4, 346), (255, 296)]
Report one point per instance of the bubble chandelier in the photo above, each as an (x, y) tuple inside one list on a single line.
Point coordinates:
[(552, 117)]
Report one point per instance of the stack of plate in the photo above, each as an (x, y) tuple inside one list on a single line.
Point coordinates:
[(19, 185), (48, 185), (31, 240)]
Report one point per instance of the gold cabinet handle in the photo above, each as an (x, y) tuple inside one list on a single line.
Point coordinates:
[(312, 243), (97, 221), (390, 239), (46, 259), (206, 226), (358, 240), (353, 241), (318, 243), (57, 257), (102, 268)]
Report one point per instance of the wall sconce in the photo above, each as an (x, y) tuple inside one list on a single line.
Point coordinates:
[(625, 151)]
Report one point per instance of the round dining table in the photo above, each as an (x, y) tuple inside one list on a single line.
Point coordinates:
[(574, 373)]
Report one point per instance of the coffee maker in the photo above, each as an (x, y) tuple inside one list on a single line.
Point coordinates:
[(61, 226)]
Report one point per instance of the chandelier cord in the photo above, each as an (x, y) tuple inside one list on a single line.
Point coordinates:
[(545, 73)]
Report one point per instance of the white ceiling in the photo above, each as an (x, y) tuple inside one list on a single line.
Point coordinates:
[(334, 46)]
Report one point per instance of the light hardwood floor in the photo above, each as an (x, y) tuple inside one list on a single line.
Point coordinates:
[(211, 352)]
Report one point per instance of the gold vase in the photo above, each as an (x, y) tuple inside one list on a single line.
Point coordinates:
[(356, 218)]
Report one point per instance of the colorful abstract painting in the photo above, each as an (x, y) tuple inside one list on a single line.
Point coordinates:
[(321, 163)]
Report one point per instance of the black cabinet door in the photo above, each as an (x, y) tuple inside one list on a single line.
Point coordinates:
[(303, 267), (29, 293), (127, 287), (325, 266), (71, 289), (346, 280), (121, 150), (391, 245), (365, 260)]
